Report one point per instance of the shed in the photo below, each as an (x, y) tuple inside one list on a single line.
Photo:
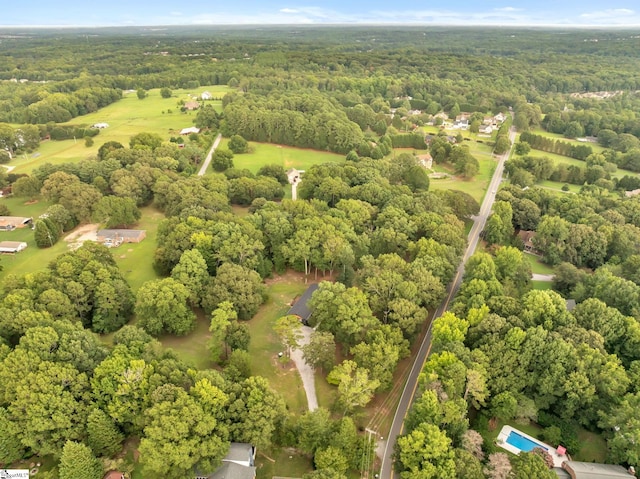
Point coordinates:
[(8, 223), (12, 246), (121, 236), (191, 105), (301, 307), (589, 470)]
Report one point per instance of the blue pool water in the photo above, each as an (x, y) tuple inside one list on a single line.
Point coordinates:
[(522, 443)]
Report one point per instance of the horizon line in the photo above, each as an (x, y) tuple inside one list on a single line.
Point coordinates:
[(338, 24)]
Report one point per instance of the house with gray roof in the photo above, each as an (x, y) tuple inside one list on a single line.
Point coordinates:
[(239, 463), (589, 470), (301, 308)]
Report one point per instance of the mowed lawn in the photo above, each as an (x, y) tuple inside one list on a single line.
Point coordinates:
[(126, 117), (134, 260), (537, 266), (289, 157), (476, 186), (265, 344), (33, 258)]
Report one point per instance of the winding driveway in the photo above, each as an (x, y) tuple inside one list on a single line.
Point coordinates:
[(207, 160), (306, 371)]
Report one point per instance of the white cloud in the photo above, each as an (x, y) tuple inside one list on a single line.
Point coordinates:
[(508, 9), (612, 12), (289, 10)]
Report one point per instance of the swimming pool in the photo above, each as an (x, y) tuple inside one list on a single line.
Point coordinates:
[(523, 443)]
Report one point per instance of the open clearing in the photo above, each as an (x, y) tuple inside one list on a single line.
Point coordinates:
[(289, 157), (126, 117)]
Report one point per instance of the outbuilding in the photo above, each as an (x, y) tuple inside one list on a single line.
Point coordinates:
[(12, 246), (117, 237), (9, 223)]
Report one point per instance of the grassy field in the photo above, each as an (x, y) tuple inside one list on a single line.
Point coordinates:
[(33, 258), (283, 463), (136, 260), (537, 266), (594, 146), (542, 285), (266, 154), (265, 345), (476, 187), (126, 118), (192, 348)]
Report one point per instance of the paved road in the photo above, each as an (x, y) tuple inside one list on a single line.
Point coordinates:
[(207, 160), (386, 470)]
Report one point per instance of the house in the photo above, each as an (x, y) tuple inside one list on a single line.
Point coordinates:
[(205, 95), (188, 131), (9, 223), (499, 118), (115, 475), (485, 129), (117, 237), (425, 160), (589, 470), (239, 463), (293, 175), (100, 126), (12, 246), (301, 308), (191, 105), (631, 193), (527, 240)]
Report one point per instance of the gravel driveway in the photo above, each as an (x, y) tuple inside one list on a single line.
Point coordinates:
[(306, 371)]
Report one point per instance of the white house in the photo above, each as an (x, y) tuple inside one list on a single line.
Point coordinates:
[(486, 129), (100, 126), (188, 131), (205, 95)]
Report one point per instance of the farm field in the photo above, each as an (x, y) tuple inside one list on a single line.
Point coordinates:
[(127, 117)]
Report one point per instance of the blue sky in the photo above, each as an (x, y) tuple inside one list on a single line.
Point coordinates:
[(208, 12)]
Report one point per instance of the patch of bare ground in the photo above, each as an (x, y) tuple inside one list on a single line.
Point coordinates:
[(82, 233)]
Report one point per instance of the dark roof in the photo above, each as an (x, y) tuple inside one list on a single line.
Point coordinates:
[(231, 470), (240, 452), (588, 470), (300, 308)]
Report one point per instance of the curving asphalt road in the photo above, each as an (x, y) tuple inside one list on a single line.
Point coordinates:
[(386, 470)]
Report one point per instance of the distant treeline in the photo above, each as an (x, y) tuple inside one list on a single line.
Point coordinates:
[(559, 147)]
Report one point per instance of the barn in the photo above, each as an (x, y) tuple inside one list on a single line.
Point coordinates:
[(12, 246), (9, 223)]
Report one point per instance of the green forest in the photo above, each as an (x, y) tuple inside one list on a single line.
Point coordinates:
[(260, 161)]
